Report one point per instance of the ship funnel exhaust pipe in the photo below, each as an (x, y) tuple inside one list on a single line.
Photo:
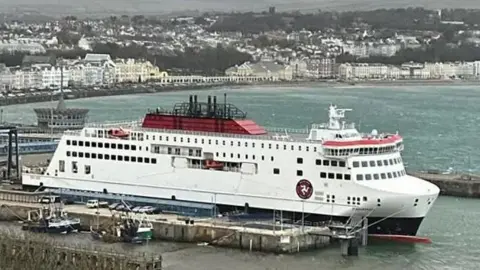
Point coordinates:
[(195, 103), (209, 105), (190, 101), (215, 105)]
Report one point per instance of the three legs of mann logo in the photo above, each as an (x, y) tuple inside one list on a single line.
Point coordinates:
[(304, 189)]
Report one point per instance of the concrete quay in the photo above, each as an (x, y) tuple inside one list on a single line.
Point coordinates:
[(252, 236), (460, 185)]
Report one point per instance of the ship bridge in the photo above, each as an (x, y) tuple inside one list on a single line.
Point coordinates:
[(341, 139)]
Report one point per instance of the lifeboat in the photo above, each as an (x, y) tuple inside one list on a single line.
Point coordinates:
[(214, 165), (118, 133)]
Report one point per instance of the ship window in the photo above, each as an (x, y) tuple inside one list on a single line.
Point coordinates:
[(74, 154), (80, 154), (120, 158), (68, 153), (209, 141), (292, 147), (231, 143), (276, 171), (94, 144), (87, 155), (323, 175), (389, 175), (216, 154), (223, 154), (246, 156), (74, 142), (306, 148), (146, 160), (356, 164), (100, 145), (368, 177), (133, 147), (376, 176), (133, 159), (61, 165), (299, 173), (100, 156), (107, 145), (331, 176), (113, 157), (94, 156), (379, 163), (114, 146), (239, 143), (216, 142), (107, 157), (231, 155), (318, 162), (166, 138), (359, 177), (385, 162), (223, 142), (87, 144), (390, 161), (68, 142), (383, 176), (87, 169), (139, 159), (300, 160), (269, 146), (126, 158), (80, 143), (271, 158), (364, 164), (174, 139), (263, 157), (253, 144), (154, 161), (346, 176), (395, 161), (246, 144), (253, 156), (394, 174), (314, 149), (339, 176), (341, 163), (238, 155), (326, 162), (372, 163), (299, 148), (194, 140), (284, 147), (74, 167), (181, 139), (277, 146), (334, 163)]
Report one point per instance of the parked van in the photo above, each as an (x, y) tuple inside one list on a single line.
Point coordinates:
[(92, 203)]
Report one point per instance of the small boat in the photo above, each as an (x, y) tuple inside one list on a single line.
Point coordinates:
[(129, 230), (212, 164), (59, 224), (118, 133)]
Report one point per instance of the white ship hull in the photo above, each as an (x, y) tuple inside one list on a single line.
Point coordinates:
[(268, 176)]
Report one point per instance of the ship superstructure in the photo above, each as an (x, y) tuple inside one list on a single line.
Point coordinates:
[(211, 153)]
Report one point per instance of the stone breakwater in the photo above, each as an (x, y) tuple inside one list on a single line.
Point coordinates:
[(460, 185)]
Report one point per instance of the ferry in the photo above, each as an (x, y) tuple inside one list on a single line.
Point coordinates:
[(210, 152)]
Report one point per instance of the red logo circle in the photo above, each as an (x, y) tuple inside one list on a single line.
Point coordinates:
[(304, 189)]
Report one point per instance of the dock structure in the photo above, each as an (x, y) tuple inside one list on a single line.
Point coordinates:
[(24, 252), (460, 185)]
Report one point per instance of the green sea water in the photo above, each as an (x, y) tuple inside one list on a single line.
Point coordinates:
[(439, 125)]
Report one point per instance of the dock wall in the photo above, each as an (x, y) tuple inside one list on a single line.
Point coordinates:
[(460, 185), (31, 251)]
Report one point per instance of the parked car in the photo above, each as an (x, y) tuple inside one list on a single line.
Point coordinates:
[(147, 209), (113, 206), (92, 203), (49, 199), (136, 209)]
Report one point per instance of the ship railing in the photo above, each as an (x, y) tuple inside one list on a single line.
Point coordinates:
[(137, 126), (282, 131)]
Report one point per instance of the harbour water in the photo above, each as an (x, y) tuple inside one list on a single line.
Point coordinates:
[(439, 125)]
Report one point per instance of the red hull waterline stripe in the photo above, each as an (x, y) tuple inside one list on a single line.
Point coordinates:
[(402, 238), (389, 140)]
